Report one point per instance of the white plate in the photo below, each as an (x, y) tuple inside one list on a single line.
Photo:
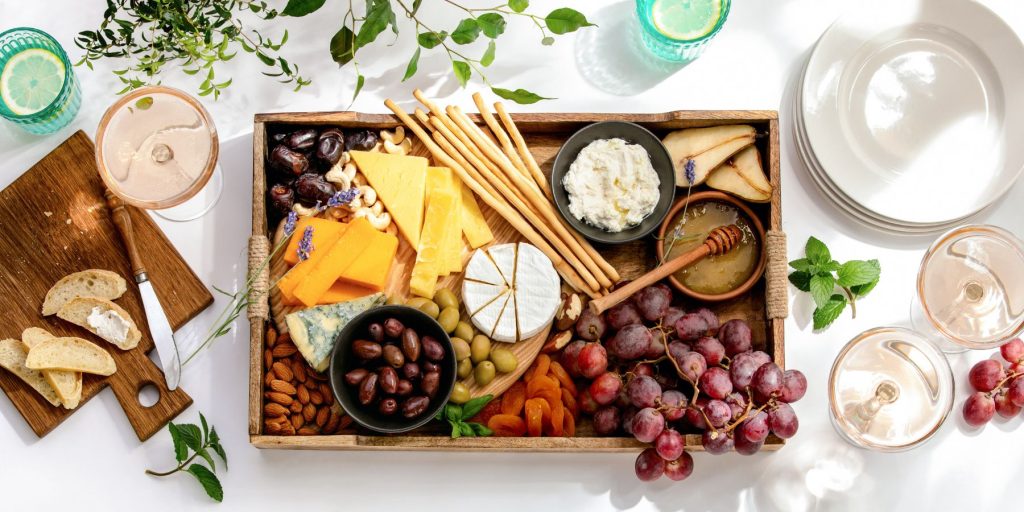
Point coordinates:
[(912, 108)]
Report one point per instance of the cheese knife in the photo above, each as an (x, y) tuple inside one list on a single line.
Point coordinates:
[(159, 327)]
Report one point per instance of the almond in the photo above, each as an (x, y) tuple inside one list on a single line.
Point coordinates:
[(287, 429), (282, 387), (283, 372), (332, 423), (268, 359), (274, 409), (296, 407), (299, 370), (298, 421), (345, 422), (308, 431), (303, 394), (284, 350), (284, 337), (309, 412), (271, 336), (325, 390), (316, 398), (317, 376), (280, 398), (310, 384), (321, 417), (268, 378), (271, 427)]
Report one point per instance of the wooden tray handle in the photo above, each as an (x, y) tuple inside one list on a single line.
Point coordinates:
[(123, 221), (140, 372), (777, 274)]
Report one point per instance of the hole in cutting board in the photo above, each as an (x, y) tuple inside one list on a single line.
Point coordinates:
[(149, 395)]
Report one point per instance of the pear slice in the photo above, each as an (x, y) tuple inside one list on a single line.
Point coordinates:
[(707, 147), (742, 176)]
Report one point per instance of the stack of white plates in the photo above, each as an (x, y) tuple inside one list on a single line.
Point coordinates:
[(910, 114)]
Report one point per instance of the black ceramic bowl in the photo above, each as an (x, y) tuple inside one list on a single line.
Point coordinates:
[(633, 134), (343, 361)]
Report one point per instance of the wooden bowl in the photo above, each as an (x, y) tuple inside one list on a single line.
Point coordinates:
[(755, 223)]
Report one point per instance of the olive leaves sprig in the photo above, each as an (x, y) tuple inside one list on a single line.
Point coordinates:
[(819, 274), (187, 438), (194, 35)]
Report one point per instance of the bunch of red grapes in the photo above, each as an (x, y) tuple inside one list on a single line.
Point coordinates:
[(998, 387), (656, 371)]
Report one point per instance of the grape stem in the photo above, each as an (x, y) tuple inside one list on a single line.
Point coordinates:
[(1004, 381)]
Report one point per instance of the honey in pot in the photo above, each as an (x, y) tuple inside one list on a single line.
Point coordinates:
[(715, 274)]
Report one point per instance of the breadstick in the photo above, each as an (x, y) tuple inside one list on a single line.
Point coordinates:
[(499, 133), (440, 114), (510, 216)]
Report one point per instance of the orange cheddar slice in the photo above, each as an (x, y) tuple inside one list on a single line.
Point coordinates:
[(325, 233), (338, 259), (321, 246), (371, 269), (340, 291)]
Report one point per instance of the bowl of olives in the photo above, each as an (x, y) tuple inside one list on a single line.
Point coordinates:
[(392, 369)]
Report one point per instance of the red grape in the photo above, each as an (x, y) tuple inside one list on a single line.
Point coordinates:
[(676, 349), (680, 468), (735, 337), (738, 403), (669, 444), (675, 404), (647, 424), (623, 314), (711, 318), (627, 419), (570, 357), (761, 357), (742, 368), (630, 342), (693, 415), (605, 388), (754, 428), (657, 347), (691, 326), (649, 466), (587, 403), (979, 409), (1015, 391), (746, 447), (794, 386), (607, 420), (643, 369), (672, 314), (593, 360), (711, 349), (1013, 350), (718, 413), (715, 382), (1017, 368), (1005, 407), (985, 375), (766, 380), (653, 301), (716, 442), (692, 366), (783, 421), (591, 326), (643, 391)]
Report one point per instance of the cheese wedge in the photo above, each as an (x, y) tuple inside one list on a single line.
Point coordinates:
[(338, 259), (477, 232), (481, 269), (315, 330), (299, 272), (371, 269), (440, 180), (455, 233), (400, 182), (429, 254), (340, 291), (537, 291), (325, 233)]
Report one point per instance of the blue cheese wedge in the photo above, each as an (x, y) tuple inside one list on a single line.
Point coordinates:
[(315, 330)]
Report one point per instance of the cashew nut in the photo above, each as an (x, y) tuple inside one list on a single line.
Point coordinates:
[(337, 213), (368, 194), (393, 149), (359, 180), (302, 211), (379, 222), (406, 145), (345, 157), (395, 137), (341, 175), (377, 208)]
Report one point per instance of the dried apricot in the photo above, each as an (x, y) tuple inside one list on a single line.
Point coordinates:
[(569, 402), (551, 396), (540, 382), (507, 425), (556, 423), (568, 424), (513, 399), (562, 377), (534, 417), (538, 368)]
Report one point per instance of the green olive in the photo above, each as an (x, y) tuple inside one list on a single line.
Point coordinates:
[(461, 347), (429, 308), (415, 302), (460, 394), (484, 373), (480, 348), (463, 330), (445, 298), (504, 360), (449, 319), (465, 368), (394, 300)]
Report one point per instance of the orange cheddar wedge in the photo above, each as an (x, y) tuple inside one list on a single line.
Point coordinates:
[(340, 291), (338, 259), (321, 246), (371, 269), (325, 233)]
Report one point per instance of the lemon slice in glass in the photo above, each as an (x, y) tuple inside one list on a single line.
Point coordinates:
[(31, 80), (686, 20)]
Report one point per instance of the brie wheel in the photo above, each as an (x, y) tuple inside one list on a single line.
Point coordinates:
[(511, 291)]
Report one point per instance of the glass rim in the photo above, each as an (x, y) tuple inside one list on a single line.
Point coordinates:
[(838, 419), (726, 8), (69, 77), (188, 193), (939, 242)]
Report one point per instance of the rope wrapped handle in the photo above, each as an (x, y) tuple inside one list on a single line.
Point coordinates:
[(259, 251), (776, 275)]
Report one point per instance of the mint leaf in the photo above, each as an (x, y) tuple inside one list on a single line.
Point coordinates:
[(301, 7), (520, 96), (429, 40), (801, 279), (191, 436), (462, 71), (209, 459), (817, 252), (821, 288), (343, 46), (565, 20), (830, 266), (206, 427), (518, 5), (410, 70), (864, 289), (488, 57), (467, 31), (802, 264), (826, 314), (208, 480), (474, 406), (492, 24), (180, 448), (217, 448), (856, 272)]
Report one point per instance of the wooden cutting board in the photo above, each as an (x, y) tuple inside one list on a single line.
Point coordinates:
[(54, 221)]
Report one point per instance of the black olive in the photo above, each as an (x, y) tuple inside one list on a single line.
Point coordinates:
[(362, 140), (302, 140), (329, 150), (282, 197), (313, 187), (289, 161)]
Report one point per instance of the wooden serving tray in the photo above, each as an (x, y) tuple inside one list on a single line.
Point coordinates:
[(544, 134)]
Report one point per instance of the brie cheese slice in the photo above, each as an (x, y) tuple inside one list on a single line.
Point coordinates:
[(504, 258), (486, 319), (537, 291), (477, 296), (482, 270)]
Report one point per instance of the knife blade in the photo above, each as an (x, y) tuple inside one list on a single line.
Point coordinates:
[(160, 329)]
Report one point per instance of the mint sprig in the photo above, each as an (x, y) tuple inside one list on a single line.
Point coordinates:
[(456, 416), (188, 437), (818, 274)]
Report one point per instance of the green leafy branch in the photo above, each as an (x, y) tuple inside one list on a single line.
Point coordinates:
[(818, 274), (187, 438), (456, 416)]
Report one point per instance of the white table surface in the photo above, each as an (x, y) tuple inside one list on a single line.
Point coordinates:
[(95, 460)]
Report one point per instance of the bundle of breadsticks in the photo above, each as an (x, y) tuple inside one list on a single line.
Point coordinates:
[(500, 169)]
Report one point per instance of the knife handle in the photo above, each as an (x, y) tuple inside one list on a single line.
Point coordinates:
[(123, 220)]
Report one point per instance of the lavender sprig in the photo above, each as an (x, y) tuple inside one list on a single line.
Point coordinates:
[(343, 198), (306, 244), (690, 171), (289, 224)]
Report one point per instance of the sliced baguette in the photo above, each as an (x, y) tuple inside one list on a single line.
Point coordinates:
[(78, 309), (87, 283), (12, 357), (68, 385), (72, 355)]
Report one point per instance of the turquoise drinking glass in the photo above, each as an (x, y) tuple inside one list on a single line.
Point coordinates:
[(25, 55), (679, 30)]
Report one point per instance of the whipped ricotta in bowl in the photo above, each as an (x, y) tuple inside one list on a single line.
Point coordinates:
[(612, 185)]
